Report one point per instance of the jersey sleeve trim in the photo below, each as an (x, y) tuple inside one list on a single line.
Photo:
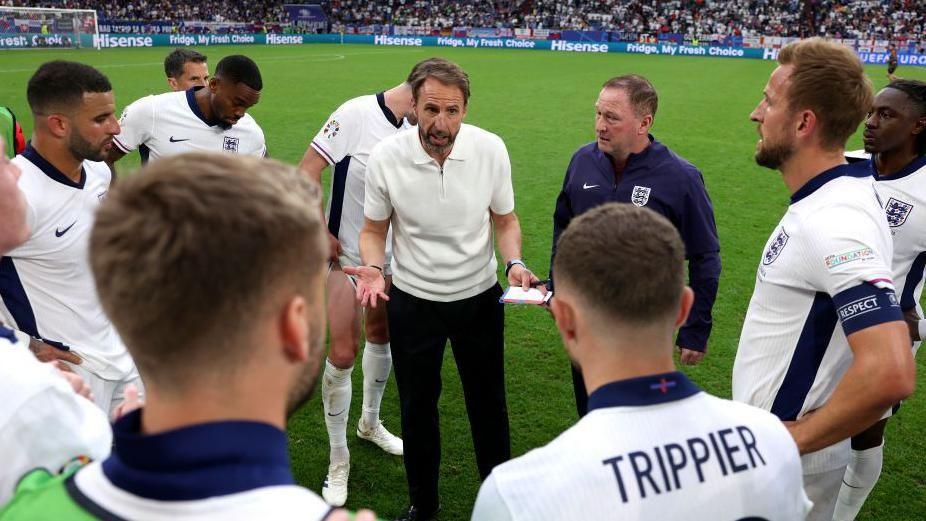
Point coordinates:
[(866, 305), (324, 153), (120, 145)]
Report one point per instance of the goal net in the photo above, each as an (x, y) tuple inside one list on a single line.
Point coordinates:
[(36, 27)]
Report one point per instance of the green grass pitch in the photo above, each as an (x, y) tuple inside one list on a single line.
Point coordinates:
[(541, 104)]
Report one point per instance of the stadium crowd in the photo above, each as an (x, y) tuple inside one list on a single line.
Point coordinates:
[(856, 19)]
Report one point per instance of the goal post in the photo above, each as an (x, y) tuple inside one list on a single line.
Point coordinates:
[(43, 28)]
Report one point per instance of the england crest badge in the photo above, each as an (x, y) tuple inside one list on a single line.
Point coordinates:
[(230, 144), (897, 212), (774, 249), (640, 195)]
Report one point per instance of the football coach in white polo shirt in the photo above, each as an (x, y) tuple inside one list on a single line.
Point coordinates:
[(445, 187), (653, 445)]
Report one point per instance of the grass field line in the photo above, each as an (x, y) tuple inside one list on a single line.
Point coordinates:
[(330, 58)]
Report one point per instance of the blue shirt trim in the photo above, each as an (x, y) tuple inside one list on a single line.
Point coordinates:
[(197, 462), (49, 169), (381, 99), (821, 179), (644, 390), (910, 168), (191, 100), (8, 334)]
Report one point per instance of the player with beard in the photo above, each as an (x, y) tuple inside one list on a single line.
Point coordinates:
[(45, 283), (895, 136), (213, 118), (227, 356), (443, 187), (827, 262)]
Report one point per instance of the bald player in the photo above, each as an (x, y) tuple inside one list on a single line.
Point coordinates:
[(653, 445)]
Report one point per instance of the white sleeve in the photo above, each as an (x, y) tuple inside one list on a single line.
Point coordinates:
[(849, 258), (48, 429), (502, 192), (136, 124), (377, 205), (340, 135), (489, 503)]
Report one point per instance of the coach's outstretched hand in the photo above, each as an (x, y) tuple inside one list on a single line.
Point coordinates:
[(371, 284)]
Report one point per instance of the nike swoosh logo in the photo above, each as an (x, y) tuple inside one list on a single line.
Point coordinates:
[(337, 413), (586, 186), (59, 233), (172, 140)]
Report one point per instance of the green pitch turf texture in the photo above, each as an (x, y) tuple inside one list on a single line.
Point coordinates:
[(541, 104)]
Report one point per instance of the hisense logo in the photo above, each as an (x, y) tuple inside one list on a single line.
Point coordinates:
[(107, 41)]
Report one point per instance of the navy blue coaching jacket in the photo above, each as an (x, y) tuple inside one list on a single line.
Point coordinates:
[(664, 182)]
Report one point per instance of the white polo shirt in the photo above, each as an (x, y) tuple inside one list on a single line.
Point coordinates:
[(442, 231)]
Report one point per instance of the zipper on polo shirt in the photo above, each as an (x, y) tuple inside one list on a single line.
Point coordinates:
[(443, 192)]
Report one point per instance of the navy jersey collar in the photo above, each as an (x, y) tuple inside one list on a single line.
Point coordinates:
[(645, 390), (911, 167), (197, 462), (634, 160), (381, 99), (191, 100), (49, 169), (851, 170)]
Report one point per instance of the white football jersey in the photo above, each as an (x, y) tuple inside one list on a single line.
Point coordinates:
[(345, 142), (43, 423), (221, 471), (904, 197), (827, 261), (170, 124), (46, 283), (654, 447)]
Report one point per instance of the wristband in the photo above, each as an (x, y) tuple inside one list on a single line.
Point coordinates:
[(380, 268), (512, 264), (921, 326)]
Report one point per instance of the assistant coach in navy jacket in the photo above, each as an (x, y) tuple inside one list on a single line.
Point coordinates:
[(627, 165)]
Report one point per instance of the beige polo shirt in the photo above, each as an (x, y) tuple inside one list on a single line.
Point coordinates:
[(442, 230)]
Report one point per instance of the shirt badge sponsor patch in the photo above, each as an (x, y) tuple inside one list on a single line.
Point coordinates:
[(331, 129), (774, 249), (230, 144), (640, 195), (839, 259), (897, 212)]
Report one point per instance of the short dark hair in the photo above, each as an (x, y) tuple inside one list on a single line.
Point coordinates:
[(642, 94), (59, 86), (173, 64), (238, 68), (916, 93), (444, 71), (624, 261)]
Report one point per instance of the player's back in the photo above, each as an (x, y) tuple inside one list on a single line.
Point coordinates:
[(656, 448)]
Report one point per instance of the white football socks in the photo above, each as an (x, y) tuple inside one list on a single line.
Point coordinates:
[(336, 392), (861, 477), (377, 362)]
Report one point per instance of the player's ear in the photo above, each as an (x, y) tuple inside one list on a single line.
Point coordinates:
[(293, 327), (646, 123), (684, 307), (172, 83), (565, 316), (213, 84), (58, 125), (806, 123), (920, 126)]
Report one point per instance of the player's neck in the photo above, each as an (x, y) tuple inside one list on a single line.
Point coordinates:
[(209, 405), (58, 155), (806, 164), (399, 100), (203, 99), (890, 162), (619, 163), (631, 357)]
